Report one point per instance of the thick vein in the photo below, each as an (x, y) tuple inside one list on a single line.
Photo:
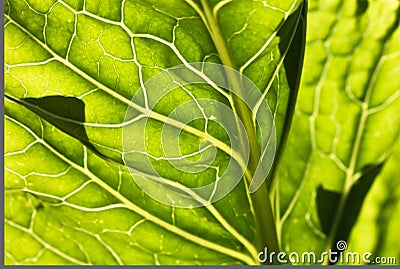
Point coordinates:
[(220, 5), (259, 202)]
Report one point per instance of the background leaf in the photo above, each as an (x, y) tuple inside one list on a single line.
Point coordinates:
[(346, 120), (375, 231)]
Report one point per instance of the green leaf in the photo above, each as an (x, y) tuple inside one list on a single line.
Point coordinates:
[(345, 125), (375, 230), (71, 71), (328, 205)]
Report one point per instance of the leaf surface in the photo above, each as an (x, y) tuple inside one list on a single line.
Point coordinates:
[(375, 230), (345, 125), (71, 71)]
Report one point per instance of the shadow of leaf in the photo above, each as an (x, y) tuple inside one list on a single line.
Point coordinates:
[(328, 201)]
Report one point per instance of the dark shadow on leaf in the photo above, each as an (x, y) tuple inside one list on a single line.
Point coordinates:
[(388, 205), (65, 113), (362, 6), (328, 201), (39, 207), (292, 42)]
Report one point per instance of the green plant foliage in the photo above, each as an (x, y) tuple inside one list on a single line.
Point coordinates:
[(378, 218), (344, 128), (71, 70), (73, 67)]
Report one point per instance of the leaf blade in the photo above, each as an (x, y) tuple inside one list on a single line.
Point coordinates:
[(102, 57), (335, 128)]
